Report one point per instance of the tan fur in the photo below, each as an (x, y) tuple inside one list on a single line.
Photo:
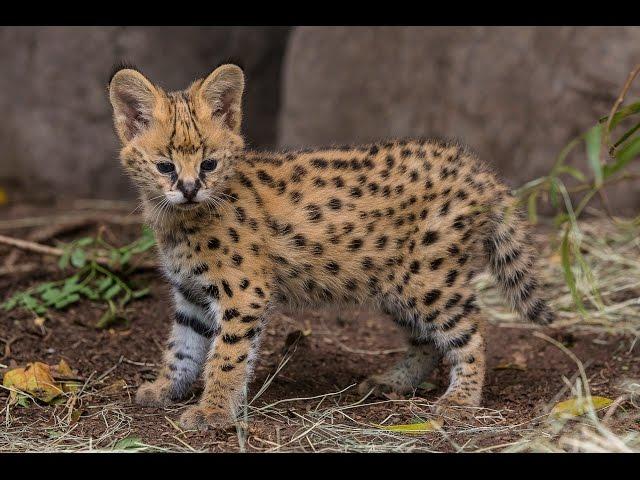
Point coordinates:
[(402, 225)]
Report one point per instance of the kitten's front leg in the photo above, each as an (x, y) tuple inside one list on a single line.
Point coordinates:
[(193, 329), (229, 361)]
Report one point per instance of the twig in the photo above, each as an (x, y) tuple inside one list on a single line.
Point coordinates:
[(93, 217), (627, 85), (7, 347), (25, 268), (57, 252), (45, 234), (31, 246)]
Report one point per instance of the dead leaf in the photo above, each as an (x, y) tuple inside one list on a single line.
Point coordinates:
[(426, 387), (392, 396), (64, 371), (4, 198), (34, 379), (574, 407), (115, 387), (414, 428), (555, 258)]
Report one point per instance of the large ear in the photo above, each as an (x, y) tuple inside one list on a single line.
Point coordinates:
[(222, 91), (133, 98)]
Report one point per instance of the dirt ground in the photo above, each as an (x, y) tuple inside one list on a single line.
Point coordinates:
[(327, 352)]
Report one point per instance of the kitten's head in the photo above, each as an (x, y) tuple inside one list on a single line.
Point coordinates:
[(179, 147)]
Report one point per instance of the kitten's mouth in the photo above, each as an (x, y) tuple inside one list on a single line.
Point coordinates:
[(190, 205)]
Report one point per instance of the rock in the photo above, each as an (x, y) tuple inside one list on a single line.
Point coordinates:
[(57, 137), (516, 95)]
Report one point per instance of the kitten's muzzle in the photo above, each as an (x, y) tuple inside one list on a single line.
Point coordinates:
[(189, 189)]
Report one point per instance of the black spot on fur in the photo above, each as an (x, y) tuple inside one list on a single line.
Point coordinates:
[(430, 237), (234, 235), (355, 244), (237, 259), (314, 213), (227, 289), (200, 269), (431, 296), (334, 204), (230, 314), (332, 267), (451, 277)]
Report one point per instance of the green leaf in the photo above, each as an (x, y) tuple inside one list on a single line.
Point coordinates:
[(124, 300), (623, 157), (627, 134), (141, 293), (71, 283), (532, 205), (106, 319), (11, 303), (43, 287), (84, 241), (78, 258), (64, 260), (125, 257), (51, 296), (29, 302), (90, 293), (104, 284), (129, 443), (565, 252), (574, 172), (561, 219), (621, 114), (66, 301), (554, 193), (593, 141), (114, 256), (112, 292), (414, 428), (574, 407)]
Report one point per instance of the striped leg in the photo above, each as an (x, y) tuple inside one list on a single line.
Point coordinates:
[(459, 335), (191, 338), (450, 321), (230, 361)]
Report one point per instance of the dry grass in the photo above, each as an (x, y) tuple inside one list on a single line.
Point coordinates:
[(610, 293), (331, 423)]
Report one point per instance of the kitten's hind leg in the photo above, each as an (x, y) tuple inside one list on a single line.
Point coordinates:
[(421, 358)]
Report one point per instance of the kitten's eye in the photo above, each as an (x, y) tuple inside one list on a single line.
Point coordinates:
[(166, 167), (208, 165)]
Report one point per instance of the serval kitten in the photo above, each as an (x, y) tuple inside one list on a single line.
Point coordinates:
[(401, 225)]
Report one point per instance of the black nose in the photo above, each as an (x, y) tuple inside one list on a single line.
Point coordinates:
[(189, 189)]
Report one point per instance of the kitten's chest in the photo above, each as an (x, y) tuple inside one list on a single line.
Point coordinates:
[(182, 266), (183, 270)]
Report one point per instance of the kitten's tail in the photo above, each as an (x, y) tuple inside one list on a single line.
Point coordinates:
[(512, 262)]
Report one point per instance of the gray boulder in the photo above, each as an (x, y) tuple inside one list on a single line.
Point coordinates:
[(516, 95), (56, 136)]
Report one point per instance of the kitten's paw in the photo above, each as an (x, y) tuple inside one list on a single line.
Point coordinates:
[(456, 407), (154, 394), (385, 384), (201, 418)]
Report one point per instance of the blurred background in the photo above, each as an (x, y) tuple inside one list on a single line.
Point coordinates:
[(516, 95)]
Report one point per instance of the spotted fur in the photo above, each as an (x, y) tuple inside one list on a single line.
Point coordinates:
[(400, 225)]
